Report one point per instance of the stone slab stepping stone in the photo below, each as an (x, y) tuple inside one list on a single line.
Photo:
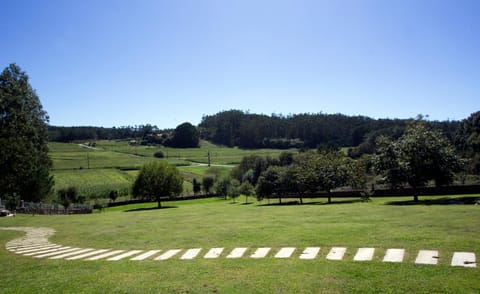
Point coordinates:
[(394, 255), (37, 249), (84, 255), (124, 255), (47, 251), (213, 253), (191, 253), (168, 254), (146, 255), (26, 247), (310, 253), (105, 255), (56, 253), (261, 252), (465, 259), (237, 252), (427, 257), (364, 254), (336, 253), (79, 251), (285, 252)]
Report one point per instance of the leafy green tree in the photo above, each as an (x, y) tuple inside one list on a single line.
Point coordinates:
[(197, 186), (185, 136), (67, 196), (270, 182), (234, 189), (207, 183), (157, 179), (24, 161), (419, 156), (222, 187), (113, 195), (246, 189)]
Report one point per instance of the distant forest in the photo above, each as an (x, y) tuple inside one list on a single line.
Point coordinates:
[(247, 130)]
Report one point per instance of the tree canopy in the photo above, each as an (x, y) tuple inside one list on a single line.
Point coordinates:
[(24, 161), (419, 156), (185, 136), (157, 179)]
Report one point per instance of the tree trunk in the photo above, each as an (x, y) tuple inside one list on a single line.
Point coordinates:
[(159, 203), (279, 199), (415, 194), (329, 197)]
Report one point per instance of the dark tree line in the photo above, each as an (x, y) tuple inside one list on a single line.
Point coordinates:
[(242, 129)]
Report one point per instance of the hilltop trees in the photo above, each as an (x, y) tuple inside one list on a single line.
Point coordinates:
[(157, 179), (24, 161), (185, 136)]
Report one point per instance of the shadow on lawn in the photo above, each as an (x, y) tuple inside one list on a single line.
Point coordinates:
[(439, 201), (149, 208), (334, 202)]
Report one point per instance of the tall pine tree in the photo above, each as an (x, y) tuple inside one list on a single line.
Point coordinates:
[(24, 162)]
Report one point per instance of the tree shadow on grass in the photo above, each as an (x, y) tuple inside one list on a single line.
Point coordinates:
[(297, 202), (439, 201), (149, 208)]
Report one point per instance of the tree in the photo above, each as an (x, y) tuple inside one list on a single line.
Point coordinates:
[(67, 196), (223, 186), (246, 189), (197, 186), (24, 161), (185, 136), (207, 183), (157, 179), (113, 195), (419, 156), (270, 182)]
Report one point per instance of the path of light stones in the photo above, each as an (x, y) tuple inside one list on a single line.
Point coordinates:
[(35, 244)]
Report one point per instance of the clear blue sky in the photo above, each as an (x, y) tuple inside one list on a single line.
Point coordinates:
[(116, 62)]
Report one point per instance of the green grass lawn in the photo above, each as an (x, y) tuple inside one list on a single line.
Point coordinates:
[(211, 223)]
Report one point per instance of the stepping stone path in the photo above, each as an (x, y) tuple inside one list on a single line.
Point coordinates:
[(35, 244)]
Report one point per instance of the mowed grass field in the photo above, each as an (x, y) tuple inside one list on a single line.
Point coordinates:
[(113, 165), (213, 222)]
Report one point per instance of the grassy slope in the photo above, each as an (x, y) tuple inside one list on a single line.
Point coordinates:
[(211, 222)]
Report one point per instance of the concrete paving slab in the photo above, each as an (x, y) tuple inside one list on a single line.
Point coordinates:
[(310, 253), (146, 255), (56, 253), (237, 252), (46, 251), (465, 259), (37, 249), (285, 252), (80, 251), (105, 255), (261, 252), (213, 253), (394, 255), (364, 254), (427, 257), (26, 247), (87, 254), (124, 255), (191, 253), (336, 253), (168, 254)]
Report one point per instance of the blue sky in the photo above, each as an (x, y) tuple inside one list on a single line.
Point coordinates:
[(116, 62)]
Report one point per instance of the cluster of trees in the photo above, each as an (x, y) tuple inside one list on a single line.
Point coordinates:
[(184, 135), (238, 128)]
